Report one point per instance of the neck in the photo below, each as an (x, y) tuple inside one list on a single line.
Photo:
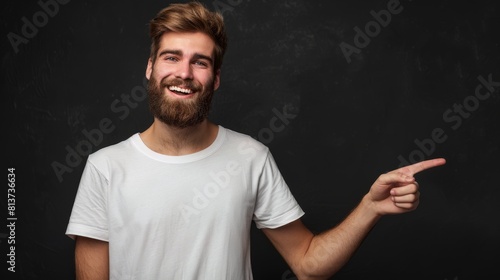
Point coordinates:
[(174, 141)]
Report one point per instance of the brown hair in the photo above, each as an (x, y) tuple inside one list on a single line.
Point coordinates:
[(189, 17)]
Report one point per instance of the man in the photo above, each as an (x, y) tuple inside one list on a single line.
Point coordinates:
[(177, 201)]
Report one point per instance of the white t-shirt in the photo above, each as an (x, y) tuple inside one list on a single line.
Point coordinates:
[(181, 217)]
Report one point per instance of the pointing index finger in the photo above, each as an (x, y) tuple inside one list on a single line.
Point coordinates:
[(423, 165)]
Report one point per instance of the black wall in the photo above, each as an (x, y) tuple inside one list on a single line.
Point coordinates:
[(407, 94)]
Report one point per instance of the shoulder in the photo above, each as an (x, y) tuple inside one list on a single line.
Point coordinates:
[(244, 149), (244, 142), (115, 151)]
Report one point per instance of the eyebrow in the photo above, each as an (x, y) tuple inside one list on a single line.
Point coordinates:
[(176, 52), (179, 52)]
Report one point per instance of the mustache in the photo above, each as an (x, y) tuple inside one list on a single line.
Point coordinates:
[(181, 83)]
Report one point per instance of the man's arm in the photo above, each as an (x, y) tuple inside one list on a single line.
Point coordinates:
[(321, 256), (91, 259)]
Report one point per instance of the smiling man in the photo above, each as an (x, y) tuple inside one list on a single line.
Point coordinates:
[(177, 200), (182, 79)]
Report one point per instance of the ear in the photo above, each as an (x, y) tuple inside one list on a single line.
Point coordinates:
[(217, 80), (149, 68)]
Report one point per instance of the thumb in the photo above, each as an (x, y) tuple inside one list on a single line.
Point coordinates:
[(392, 179)]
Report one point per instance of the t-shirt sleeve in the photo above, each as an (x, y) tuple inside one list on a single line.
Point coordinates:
[(275, 205), (89, 216)]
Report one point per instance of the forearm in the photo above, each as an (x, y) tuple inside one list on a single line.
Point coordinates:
[(331, 250)]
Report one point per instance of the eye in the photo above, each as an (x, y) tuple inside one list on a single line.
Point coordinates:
[(201, 63), (171, 58)]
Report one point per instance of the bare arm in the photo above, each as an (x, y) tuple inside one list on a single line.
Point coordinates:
[(321, 256), (91, 259)]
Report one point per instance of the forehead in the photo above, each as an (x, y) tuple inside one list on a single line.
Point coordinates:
[(188, 43)]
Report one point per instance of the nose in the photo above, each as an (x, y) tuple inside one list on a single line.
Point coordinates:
[(184, 70)]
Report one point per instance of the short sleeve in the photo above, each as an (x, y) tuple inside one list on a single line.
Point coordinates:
[(89, 216), (275, 204)]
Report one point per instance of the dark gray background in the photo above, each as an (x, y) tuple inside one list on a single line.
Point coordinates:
[(352, 121)]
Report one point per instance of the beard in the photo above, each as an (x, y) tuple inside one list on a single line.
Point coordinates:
[(180, 113)]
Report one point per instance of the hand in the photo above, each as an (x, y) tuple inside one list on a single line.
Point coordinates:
[(397, 191)]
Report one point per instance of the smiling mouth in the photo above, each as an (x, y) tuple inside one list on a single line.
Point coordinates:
[(179, 90)]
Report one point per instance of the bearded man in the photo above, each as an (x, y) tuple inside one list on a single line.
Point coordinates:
[(177, 200)]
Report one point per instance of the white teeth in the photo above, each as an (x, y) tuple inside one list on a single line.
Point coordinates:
[(183, 90)]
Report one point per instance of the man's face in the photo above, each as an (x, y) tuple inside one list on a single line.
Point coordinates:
[(182, 79)]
